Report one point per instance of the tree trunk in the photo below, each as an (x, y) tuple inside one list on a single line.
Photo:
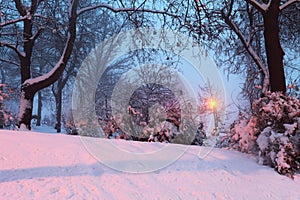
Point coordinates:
[(25, 112), (1, 112), (39, 111), (106, 107), (1, 116), (2, 77), (28, 47), (26, 100), (273, 47), (58, 101)]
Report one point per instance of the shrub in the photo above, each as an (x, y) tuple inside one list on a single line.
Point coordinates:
[(6, 116), (271, 132)]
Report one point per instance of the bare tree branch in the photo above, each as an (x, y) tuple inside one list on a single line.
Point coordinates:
[(9, 61), (53, 89), (261, 8), (13, 47), (250, 50), (42, 16), (12, 21), (294, 68), (38, 33), (116, 10), (287, 4), (34, 5), (21, 8)]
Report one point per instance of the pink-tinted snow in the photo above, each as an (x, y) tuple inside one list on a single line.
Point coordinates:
[(54, 166)]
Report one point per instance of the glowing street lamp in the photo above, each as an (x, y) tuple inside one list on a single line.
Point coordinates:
[(213, 106)]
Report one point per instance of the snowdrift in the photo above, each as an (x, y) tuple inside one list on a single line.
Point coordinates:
[(54, 166)]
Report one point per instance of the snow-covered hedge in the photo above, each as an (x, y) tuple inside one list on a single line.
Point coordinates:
[(272, 132), (159, 128)]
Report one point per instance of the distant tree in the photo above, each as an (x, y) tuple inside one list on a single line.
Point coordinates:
[(2, 96), (150, 94)]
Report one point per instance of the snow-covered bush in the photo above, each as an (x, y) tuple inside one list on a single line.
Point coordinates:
[(164, 133), (272, 132), (83, 127), (160, 128), (280, 150), (112, 130), (200, 135), (6, 116), (68, 123)]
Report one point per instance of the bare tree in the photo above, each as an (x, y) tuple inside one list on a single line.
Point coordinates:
[(246, 33), (270, 11), (250, 30), (270, 25)]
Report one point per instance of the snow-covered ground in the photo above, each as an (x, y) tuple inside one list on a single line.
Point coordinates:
[(45, 129), (55, 166)]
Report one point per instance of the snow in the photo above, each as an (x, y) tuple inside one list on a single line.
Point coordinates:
[(262, 139), (56, 166), (281, 162), (290, 128), (45, 129)]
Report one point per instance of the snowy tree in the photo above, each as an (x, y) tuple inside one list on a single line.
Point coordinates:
[(30, 33)]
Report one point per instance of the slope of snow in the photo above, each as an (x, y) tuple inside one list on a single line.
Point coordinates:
[(54, 166)]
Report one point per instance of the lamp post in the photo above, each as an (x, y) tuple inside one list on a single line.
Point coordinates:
[(213, 106)]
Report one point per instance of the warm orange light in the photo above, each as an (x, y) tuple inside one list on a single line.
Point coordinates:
[(212, 103)]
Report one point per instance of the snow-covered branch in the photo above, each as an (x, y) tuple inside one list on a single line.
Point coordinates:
[(287, 4), (49, 78), (261, 8), (6, 23), (13, 47), (116, 10), (250, 50)]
